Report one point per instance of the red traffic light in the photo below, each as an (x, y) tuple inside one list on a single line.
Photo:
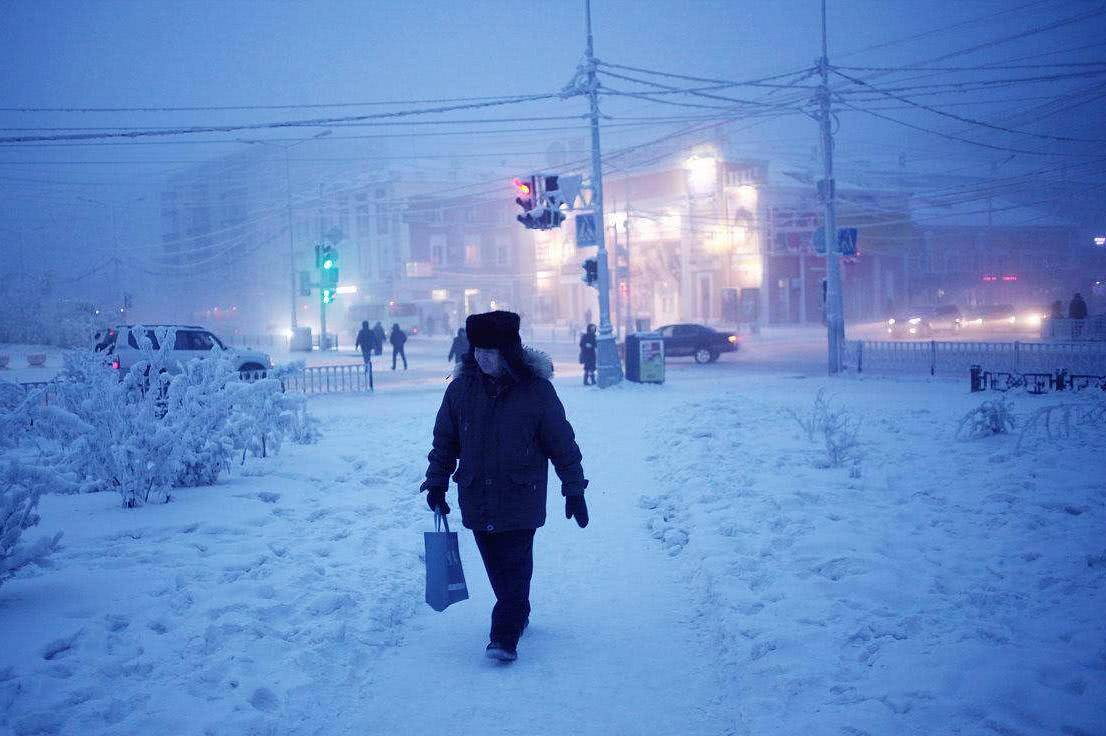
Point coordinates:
[(522, 187)]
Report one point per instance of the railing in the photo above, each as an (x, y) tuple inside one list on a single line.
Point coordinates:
[(329, 379), (1091, 329), (956, 358)]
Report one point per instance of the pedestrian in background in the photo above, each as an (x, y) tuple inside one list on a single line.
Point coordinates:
[(1077, 309), (459, 348), (587, 355), (379, 330), (367, 343), (502, 419), (1057, 310), (398, 338)]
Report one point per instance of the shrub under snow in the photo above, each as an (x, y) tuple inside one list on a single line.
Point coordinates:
[(149, 430), (834, 425), (989, 418), (20, 487)]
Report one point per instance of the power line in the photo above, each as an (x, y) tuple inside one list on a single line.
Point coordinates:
[(317, 122), (961, 118)]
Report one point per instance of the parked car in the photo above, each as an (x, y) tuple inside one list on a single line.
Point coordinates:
[(703, 343), (189, 341), (925, 321)]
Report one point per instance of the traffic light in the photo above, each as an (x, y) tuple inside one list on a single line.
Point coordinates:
[(544, 197), (591, 271), (326, 296), (328, 264)]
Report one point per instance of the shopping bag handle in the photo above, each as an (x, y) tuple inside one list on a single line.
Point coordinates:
[(440, 520)]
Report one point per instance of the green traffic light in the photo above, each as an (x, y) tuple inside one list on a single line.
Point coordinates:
[(328, 264)]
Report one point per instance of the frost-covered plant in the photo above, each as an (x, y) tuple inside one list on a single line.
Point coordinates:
[(20, 487), (834, 425), (989, 418), (199, 410), (1061, 421), (110, 430), (15, 412)]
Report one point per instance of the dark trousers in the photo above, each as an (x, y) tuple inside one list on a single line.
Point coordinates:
[(509, 559), (398, 352)]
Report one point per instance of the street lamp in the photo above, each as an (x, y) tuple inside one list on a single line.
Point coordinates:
[(288, 198)]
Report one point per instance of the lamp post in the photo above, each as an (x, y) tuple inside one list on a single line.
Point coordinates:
[(288, 205)]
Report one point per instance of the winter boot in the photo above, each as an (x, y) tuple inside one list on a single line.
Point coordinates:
[(501, 651)]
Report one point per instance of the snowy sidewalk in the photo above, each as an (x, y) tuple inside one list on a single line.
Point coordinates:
[(608, 650)]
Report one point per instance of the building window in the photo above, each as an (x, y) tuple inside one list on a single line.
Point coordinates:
[(437, 250), (472, 255)]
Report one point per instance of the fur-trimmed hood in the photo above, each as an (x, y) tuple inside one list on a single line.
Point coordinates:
[(537, 362)]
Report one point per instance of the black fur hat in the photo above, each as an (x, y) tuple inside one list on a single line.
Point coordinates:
[(497, 330)]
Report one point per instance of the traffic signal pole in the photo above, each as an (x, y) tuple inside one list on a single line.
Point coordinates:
[(835, 316), (609, 368)]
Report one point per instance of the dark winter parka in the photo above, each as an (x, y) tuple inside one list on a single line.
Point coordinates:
[(504, 432)]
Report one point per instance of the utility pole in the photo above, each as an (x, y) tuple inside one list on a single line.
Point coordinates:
[(631, 323), (835, 317), (609, 368), (291, 236)]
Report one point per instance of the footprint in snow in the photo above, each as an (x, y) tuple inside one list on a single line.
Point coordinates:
[(264, 699)]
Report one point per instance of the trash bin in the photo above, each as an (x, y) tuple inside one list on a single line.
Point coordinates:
[(645, 357)]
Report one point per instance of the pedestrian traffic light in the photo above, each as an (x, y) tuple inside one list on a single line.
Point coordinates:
[(326, 296), (591, 271)]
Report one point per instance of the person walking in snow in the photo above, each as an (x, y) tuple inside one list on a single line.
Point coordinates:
[(379, 330), (459, 348), (501, 418), (587, 355), (367, 343), (398, 339)]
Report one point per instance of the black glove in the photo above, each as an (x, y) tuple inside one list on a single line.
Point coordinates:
[(435, 499), (576, 506)]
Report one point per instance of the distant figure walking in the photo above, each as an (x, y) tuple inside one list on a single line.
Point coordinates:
[(460, 346), (398, 338), (379, 330), (587, 355), (1057, 310), (1077, 309), (367, 344)]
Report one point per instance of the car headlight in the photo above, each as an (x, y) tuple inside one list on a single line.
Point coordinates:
[(1012, 319), (915, 320), (732, 339), (891, 321)]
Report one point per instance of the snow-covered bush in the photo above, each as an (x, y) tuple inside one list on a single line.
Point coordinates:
[(20, 487), (832, 424), (110, 430), (1062, 421), (989, 418), (159, 425), (199, 410)]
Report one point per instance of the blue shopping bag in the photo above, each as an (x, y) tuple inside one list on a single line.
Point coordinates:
[(445, 580)]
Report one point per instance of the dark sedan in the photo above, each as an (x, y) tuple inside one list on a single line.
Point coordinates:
[(699, 341)]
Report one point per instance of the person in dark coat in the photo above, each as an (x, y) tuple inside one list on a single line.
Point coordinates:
[(502, 419), (379, 330), (459, 348), (367, 343), (587, 355), (1077, 309), (398, 339)]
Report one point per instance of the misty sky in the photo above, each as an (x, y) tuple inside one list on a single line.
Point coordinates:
[(180, 54)]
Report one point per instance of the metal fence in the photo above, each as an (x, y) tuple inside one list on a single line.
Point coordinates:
[(939, 358), (1092, 328), (330, 379), (324, 379)]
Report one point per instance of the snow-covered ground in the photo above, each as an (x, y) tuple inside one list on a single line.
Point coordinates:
[(727, 584)]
